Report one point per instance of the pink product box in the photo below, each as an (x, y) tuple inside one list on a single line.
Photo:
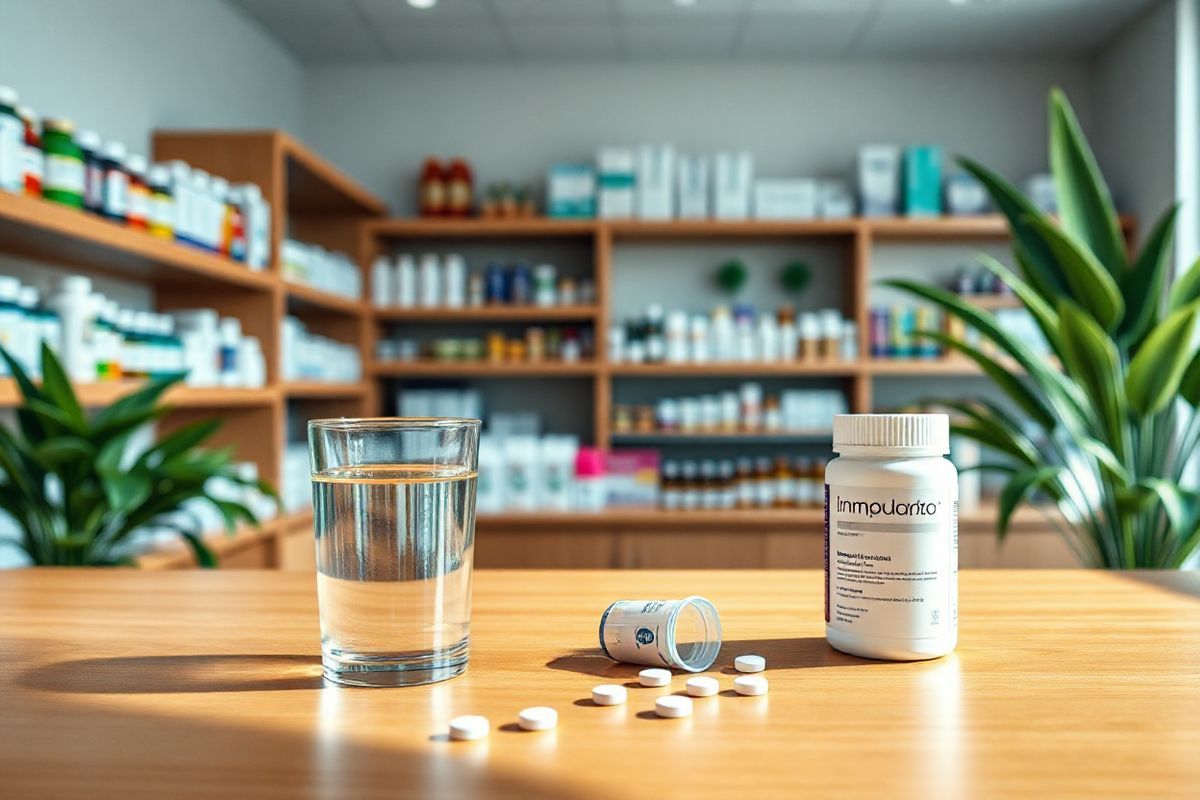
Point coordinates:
[(631, 478)]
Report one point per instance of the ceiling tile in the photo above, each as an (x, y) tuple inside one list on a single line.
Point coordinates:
[(554, 10), (822, 8), (280, 12), (331, 42), (557, 41), (1006, 27), (637, 9), (392, 11), (693, 40), (442, 42), (794, 39)]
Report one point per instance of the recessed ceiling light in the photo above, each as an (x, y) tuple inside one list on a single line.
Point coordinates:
[(684, 3), (422, 4)]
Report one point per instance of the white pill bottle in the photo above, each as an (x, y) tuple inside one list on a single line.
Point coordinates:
[(891, 537)]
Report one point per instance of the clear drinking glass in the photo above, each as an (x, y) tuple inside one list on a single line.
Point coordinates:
[(394, 514)]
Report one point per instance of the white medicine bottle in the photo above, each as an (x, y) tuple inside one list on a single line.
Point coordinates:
[(891, 537)]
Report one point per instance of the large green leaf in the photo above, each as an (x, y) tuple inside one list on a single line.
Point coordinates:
[(1038, 263), (56, 387), (27, 387), (1017, 391), (1084, 201), (1019, 487), (1155, 372), (1001, 440), (1142, 286), (180, 441), (1091, 284), (1091, 358), (1041, 311), (136, 405), (1186, 289), (1189, 384)]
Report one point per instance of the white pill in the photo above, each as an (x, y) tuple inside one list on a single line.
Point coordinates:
[(537, 718), (609, 694), (673, 705), (750, 684), (471, 726), (702, 687), (749, 663), (655, 677)]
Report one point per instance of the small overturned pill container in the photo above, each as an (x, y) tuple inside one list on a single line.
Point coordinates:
[(676, 634)]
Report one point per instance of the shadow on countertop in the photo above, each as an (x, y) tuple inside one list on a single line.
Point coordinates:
[(802, 652), (242, 672)]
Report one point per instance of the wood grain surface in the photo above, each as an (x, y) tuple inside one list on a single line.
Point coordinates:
[(200, 684)]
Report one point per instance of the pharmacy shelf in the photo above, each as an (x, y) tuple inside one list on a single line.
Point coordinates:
[(481, 369), (797, 520), (716, 437), (312, 390), (178, 555), (993, 302), (720, 229), (315, 186), (51, 232), (476, 228), (92, 395), (820, 369), (655, 518), (987, 226), (504, 313), (303, 296)]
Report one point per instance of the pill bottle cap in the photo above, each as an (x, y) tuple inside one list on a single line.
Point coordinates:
[(75, 284), (86, 139), (136, 164), (10, 287), (8, 96), (915, 434), (114, 151), (589, 462)]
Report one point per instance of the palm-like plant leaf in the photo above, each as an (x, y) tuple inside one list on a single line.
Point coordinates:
[(98, 501), (1112, 439)]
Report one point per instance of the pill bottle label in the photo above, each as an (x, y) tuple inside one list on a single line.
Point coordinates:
[(635, 631), (63, 174), (891, 561)]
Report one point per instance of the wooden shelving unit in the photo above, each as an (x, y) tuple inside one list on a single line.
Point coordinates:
[(312, 201), (488, 314)]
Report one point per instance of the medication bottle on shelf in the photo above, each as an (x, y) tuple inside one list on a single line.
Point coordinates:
[(29, 346), (138, 213), (12, 142), (72, 301), (116, 181), (88, 142), (10, 317), (161, 212), (63, 181), (32, 163), (589, 480)]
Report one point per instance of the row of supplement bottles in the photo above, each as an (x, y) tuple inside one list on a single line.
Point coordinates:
[(172, 201), (95, 339), (711, 484)]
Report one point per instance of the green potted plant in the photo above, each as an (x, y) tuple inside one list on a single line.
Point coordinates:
[(1116, 411), (75, 496)]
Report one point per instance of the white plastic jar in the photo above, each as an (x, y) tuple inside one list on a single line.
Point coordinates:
[(891, 537)]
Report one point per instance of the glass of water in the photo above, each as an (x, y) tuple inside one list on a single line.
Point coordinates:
[(394, 514)]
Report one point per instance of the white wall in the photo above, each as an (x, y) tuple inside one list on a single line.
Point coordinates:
[(1134, 112), (513, 121), (125, 67)]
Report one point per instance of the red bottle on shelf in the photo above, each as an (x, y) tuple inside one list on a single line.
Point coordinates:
[(432, 189), (460, 191)]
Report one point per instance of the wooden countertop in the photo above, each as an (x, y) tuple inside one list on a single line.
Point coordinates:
[(197, 684)]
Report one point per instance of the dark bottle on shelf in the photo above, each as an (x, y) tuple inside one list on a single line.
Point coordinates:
[(746, 491)]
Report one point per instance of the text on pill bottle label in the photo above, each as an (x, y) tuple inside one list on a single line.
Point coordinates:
[(891, 561)]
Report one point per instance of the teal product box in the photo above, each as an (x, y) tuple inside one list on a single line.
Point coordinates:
[(571, 191), (923, 181)]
